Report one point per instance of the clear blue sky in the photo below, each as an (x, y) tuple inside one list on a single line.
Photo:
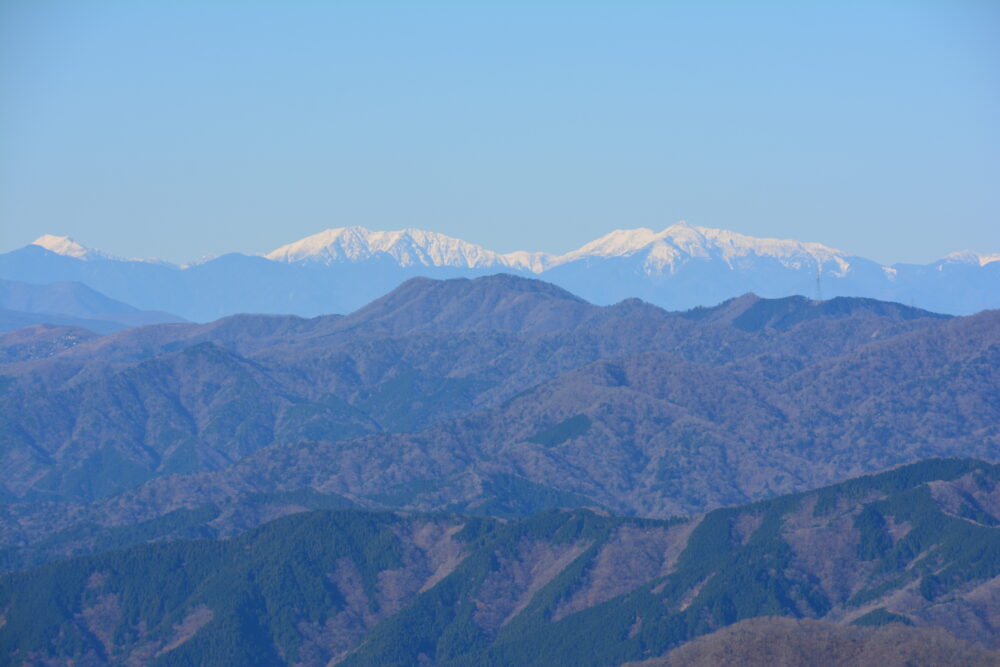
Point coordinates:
[(179, 129)]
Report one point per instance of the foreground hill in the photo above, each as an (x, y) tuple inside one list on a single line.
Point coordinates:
[(918, 545)]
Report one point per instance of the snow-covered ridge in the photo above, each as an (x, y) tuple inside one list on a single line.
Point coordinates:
[(408, 247), (681, 242), (662, 250), (653, 252)]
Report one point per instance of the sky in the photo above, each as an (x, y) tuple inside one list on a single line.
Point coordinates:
[(183, 129)]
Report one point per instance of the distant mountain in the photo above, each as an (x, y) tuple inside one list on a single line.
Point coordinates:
[(661, 252), (917, 546), (408, 247), (69, 304), (66, 298), (340, 270), (67, 247)]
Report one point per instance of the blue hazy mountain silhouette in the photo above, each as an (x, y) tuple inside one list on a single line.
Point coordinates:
[(339, 270)]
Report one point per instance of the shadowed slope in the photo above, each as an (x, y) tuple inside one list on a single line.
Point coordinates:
[(918, 545)]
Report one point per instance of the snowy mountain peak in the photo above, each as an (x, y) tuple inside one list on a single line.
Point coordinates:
[(67, 247), (682, 242), (409, 247), (63, 245)]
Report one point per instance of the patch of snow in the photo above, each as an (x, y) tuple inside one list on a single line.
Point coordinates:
[(536, 262), (204, 259), (661, 255), (969, 257)]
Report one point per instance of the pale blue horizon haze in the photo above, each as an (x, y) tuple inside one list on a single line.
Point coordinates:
[(184, 129)]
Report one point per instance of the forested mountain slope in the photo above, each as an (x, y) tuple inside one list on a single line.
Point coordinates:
[(185, 398), (918, 545), (499, 396)]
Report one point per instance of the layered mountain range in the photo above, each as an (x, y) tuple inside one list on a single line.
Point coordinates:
[(499, 395), (339, 270), (497, 471)]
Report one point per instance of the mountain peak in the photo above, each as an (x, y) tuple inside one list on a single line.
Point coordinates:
[(68, 247), (500, 302), (64, 245), (407, 246)]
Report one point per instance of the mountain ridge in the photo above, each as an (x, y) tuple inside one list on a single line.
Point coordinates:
[(425, 401), (341, 269), (419, 246), (916, 545), (489, 471)]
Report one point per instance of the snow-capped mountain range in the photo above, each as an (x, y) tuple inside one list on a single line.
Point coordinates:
[(663, 250), (408, 247), (339, 269)]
